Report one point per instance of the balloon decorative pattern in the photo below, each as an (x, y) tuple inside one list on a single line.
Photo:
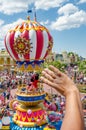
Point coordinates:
[(22, 46), (29, 42)]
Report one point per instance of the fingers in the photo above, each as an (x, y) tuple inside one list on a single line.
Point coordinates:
[(54, 76), (55, 70), (46, 81), (55, 79), (52, 84), (49, 72), (51, 77), (47, 76)]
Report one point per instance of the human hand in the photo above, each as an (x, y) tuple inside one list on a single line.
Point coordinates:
[(58, 80)]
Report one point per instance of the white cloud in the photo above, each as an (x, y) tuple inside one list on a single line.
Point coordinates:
[(5, 28), (46, 4), (14, 6), (67, 9), (69, 21), (1, 22), (82, 1), (45, 22), (2, 45)]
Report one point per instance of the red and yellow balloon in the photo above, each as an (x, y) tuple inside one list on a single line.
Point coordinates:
[(29, 43)]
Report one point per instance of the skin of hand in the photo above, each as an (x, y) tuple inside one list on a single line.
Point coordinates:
[(58, 80), (73, 119)]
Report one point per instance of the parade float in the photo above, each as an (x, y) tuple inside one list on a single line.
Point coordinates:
[(29, 43)]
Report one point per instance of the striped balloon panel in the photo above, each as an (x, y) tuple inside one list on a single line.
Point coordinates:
[(28, 41)]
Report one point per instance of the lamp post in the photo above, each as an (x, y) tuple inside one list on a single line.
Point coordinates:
[(75, 73)]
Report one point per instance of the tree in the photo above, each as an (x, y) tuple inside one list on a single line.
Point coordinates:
[(61, 66), (82, 66), (71, 55)]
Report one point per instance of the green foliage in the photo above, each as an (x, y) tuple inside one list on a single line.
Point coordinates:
[(82, 66), (82, 88), (57, 64), (70, 53)]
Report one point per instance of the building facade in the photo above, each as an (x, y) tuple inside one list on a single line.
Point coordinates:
[(6, 62)]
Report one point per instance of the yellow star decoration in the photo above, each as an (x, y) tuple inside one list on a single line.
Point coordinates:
[(21, 45)]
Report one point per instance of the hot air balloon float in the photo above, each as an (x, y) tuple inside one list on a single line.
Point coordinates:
[(28, 44)]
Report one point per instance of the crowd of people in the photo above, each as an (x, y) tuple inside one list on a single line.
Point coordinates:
[(78, 76), (10, 80)]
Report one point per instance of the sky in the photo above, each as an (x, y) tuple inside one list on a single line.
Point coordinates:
[(65, 20)]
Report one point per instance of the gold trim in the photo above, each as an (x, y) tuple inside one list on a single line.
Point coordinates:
[(49, 128), (32, 28), (5, 128), (31, 95), (30, 103), (20, 108), (11, 102)]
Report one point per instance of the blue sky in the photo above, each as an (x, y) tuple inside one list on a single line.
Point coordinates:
[(65, 19)]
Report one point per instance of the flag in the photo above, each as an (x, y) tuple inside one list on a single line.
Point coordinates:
[(29, 11)]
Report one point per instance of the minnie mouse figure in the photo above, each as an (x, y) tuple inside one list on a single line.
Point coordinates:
[(33, 85)]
